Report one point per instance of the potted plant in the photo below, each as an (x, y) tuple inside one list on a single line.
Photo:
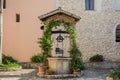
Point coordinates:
[(96, 58), (45, 44), (48, 71), (39, 59), (74, 51), (114, 75), (77, 65)]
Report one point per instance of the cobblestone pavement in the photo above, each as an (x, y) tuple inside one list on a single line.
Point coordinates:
[(30, 74)]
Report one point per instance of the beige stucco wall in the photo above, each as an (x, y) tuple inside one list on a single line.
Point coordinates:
[(20, 39), (96, 29)]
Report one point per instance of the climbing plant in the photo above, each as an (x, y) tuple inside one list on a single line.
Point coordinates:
[(45, 42)]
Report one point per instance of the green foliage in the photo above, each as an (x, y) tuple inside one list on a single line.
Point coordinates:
[(45, 43), (77, 64), (37, 58), (115, 74), (8, 59), (71, 30), (9, 65), (75, 52), (8, 62), (96, 58), (49, 71), (13, 65)]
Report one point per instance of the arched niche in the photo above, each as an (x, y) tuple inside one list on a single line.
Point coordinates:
[(61, 42)]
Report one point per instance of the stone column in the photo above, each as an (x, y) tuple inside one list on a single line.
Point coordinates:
[(1, 28)]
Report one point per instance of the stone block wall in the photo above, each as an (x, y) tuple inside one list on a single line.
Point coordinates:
[(96, 29)]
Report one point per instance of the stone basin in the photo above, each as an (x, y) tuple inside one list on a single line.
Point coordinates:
[(60, 65)]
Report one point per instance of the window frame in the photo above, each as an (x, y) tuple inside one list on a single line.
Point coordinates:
[(4, 4), (17, 17), (89, 4), (117, 5), (117, 33)]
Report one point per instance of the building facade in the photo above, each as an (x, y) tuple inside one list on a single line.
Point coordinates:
[(97, 31)]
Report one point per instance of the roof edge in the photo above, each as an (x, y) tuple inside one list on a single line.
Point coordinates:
[(57, 11)]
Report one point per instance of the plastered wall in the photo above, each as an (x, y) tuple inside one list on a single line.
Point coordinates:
[(20, 39)]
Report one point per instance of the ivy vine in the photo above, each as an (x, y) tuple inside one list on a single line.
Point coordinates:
[(45, 43)]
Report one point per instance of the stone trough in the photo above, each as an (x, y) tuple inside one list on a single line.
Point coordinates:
[(59, 65)]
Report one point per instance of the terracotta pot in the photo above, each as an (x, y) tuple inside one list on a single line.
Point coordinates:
[(76, 72), (109, 78), (96, 61), (47, 73), (41, 70)]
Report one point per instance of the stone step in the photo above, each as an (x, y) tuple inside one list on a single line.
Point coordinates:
[(103, 65), (30, 65), (23, 73)]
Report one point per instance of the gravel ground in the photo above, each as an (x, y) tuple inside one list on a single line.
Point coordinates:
[(30, 74)]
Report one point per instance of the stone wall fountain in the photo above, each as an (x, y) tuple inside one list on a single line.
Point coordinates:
[(60, 60), (61, 42)]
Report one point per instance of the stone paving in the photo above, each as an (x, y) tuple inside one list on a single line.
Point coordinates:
[(30, 74)]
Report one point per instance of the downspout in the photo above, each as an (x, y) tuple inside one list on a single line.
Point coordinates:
[(1, 29)]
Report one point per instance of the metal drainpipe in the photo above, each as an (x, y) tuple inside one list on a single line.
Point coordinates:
[(1, 32)]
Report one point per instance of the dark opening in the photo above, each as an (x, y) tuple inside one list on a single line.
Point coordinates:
[(17, 17), (42, 27), (118, 33), (4, 4)]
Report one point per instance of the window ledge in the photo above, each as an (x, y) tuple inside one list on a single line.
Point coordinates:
[(89, 10)]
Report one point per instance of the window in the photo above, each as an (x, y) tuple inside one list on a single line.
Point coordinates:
[(4, 4), (0, 4), (118, 33), (117, 5), (89, 4), (17, 17)]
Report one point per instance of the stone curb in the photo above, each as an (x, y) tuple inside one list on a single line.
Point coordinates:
[(61, 76)]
